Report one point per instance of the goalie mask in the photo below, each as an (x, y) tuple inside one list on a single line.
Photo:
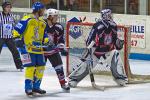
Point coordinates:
[(106, 14)]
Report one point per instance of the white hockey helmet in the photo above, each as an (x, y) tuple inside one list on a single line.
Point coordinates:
[(52, 12), (106, 14)]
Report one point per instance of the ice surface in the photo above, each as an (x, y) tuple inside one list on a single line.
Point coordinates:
[(12, 84)]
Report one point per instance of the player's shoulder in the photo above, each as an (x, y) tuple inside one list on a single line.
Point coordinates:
[(27, 17), (59, 26), (98, 25), (112, 23)]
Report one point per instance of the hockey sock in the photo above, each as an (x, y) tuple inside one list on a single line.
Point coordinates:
[(60, 73), (29, 74), (38, 77)]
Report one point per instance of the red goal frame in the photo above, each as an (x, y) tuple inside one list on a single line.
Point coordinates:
[(126, 63)]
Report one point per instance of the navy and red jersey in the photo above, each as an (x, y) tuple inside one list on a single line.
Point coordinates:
[(104, 33), (55, 33)]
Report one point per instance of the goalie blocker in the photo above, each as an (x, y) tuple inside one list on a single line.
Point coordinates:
[(105, 44)]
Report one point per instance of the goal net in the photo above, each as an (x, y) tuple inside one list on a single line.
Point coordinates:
[(76, 36)]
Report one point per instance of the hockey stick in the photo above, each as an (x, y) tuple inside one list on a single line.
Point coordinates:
[(90, 66), (53, 49)]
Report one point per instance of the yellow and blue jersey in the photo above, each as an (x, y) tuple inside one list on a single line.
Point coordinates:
[(32, 31)]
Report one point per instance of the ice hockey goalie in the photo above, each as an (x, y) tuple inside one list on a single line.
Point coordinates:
[(105, 47)]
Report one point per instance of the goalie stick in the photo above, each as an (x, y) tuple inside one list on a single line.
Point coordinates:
[(90, 66)]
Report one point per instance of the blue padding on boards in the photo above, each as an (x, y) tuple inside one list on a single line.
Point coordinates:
[(139, 56)]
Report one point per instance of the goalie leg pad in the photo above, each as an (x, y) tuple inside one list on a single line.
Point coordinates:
[(77, 75), (117, 68), (82, 71)]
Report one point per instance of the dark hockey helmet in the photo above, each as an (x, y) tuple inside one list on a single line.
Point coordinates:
[(106, 14), (6, 4)]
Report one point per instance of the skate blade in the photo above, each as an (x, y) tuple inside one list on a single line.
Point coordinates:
[(30, 96)]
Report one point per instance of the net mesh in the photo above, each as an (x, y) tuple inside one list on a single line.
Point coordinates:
[(77, 34)]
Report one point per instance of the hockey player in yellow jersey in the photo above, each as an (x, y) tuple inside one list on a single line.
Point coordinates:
[(31, 30)]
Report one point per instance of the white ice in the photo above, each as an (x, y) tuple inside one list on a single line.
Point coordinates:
[(12, 84)]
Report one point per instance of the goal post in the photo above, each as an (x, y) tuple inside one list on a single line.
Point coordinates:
[(77, 33)]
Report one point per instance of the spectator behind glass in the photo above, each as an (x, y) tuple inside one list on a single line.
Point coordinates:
[(52, 4), (133, 7), (73, 5)]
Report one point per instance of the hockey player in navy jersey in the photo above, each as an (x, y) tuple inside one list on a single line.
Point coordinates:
[(55, 32), (105, 44)]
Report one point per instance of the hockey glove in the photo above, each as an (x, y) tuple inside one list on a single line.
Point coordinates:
[(62, 48), (119, 44)]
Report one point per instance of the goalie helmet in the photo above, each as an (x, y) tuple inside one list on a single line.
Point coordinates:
[(52, 12), (106, 14)]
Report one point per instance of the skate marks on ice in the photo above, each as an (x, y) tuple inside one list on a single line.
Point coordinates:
[(102, 83), (9, 70), (36, 96)]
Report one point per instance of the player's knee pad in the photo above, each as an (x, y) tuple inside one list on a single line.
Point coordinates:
[(29, 72), (39, 72), (60, 73)]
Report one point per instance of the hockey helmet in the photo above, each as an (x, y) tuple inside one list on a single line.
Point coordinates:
[(52, 12), (37, 6), (106, 14)]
